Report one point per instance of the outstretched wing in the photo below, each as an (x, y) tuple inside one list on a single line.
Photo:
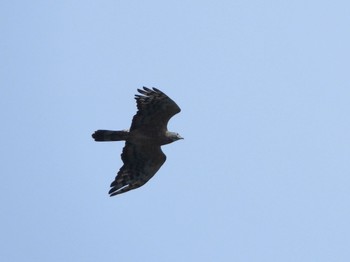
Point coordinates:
[(154, 111), (141, 162)]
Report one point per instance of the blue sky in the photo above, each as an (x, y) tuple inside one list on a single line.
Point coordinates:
[(263, 172)]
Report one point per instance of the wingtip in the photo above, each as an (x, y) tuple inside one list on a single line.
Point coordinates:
[(112, 192), (157, 90), (143, 92), (140, 90), (111, 195)]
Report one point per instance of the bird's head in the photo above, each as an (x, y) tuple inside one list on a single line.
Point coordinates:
[(172, 137)]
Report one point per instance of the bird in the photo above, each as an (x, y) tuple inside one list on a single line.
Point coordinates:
[(142, 155)]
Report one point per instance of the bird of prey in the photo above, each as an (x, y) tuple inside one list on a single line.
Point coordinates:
[(142, 155)]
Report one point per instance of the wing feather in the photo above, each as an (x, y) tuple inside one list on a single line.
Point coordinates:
[(141, 162), (154, 111)]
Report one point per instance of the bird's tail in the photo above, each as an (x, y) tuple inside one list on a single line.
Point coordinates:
[(109, 135)]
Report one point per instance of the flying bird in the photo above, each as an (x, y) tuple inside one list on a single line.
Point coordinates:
[(142, 155)]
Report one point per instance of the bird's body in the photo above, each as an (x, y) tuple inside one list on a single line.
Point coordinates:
[(142, 155)]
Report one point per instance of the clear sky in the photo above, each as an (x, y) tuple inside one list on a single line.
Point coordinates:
[(263, 173)]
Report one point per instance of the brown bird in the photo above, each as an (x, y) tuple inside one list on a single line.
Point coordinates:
[(142, 155)]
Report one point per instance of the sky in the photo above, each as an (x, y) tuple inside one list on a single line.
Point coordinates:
[(263, 171)]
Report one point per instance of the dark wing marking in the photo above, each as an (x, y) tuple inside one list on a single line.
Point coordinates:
[(154, 111), (141, 162)]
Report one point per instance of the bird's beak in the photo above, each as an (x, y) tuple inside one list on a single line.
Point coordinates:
[(180, 137)]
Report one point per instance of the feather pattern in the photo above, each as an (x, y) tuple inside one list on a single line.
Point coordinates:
[(142, 155)]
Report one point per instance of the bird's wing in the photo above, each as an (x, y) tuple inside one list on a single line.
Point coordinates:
[(141, 162), (154, 111)]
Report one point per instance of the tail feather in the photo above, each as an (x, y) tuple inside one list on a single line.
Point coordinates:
[(109, 135)]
